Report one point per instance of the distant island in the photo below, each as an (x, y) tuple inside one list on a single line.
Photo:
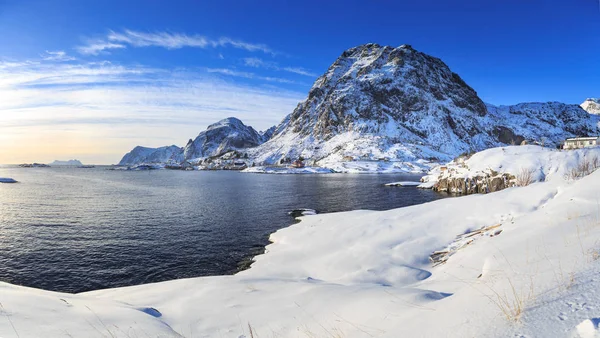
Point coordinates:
[(67, 163)]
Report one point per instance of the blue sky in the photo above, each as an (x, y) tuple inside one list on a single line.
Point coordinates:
[(94, 78)]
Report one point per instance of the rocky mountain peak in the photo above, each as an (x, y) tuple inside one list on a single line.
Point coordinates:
[(221, 137), (370, 86), (231, 122)]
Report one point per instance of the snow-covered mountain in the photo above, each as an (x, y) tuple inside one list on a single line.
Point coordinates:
[(267, 134), (219, 138), (398, 103), (379, 102), (592, 106), (152, 155)]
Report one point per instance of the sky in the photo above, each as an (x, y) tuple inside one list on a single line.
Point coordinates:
[(92, 79)]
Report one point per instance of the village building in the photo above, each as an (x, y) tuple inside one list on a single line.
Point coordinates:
[(297, 164), (581, 142)]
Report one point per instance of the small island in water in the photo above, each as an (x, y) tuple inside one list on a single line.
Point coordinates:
[(67, 163)]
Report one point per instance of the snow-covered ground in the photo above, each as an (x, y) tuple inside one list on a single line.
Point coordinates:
[(368, 274)]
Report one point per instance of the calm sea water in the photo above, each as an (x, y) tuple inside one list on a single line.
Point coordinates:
[(74, 230)]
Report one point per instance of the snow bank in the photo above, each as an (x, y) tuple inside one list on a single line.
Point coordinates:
[(542, 163), (403, 184), (7, 180), (367, 273)]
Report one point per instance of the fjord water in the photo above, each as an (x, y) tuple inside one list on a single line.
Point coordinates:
[(74, 230)]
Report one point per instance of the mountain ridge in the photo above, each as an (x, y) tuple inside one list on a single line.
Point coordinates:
[(391, 103)]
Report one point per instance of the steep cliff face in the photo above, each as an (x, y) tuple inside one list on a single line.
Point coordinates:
[(592, 106), (141, 155), (398, 103), (221, 137)]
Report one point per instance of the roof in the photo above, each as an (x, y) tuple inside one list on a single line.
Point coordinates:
[(582, 138)]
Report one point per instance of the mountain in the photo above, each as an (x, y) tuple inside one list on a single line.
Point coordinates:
[(141, 155), (401, 104), (549, 122), (221, 137), (384, 103), (267, 134), (66, 163), (592, 106)]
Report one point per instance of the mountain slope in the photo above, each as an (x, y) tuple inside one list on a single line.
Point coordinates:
[(398, 103), (141, 155), (592, 106), (221, 137)]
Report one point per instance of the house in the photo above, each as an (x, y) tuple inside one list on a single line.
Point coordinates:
[(298, 164), (581, 142), (239, 165)]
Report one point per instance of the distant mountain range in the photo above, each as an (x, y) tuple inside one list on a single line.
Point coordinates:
[(66, 163), (380, 102), (219, 138)]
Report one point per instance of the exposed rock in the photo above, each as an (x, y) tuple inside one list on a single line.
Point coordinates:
[(475, 185)]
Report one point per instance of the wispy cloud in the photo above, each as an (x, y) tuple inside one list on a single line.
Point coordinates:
[(95, 104), (166, 40), (300, 71), (247, 75), (59, 55), (260, 63), (95, 47)]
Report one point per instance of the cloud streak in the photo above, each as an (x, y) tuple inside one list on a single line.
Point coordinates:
[(247, 75), (96, 47), (59, 56), (259, 63), (166, 40)]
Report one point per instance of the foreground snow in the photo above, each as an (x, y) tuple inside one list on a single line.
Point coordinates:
[(367, 274)]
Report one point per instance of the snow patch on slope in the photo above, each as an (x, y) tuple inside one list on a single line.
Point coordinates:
[(592, 106)]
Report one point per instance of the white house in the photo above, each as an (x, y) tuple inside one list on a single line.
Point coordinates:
[(581, 142)]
